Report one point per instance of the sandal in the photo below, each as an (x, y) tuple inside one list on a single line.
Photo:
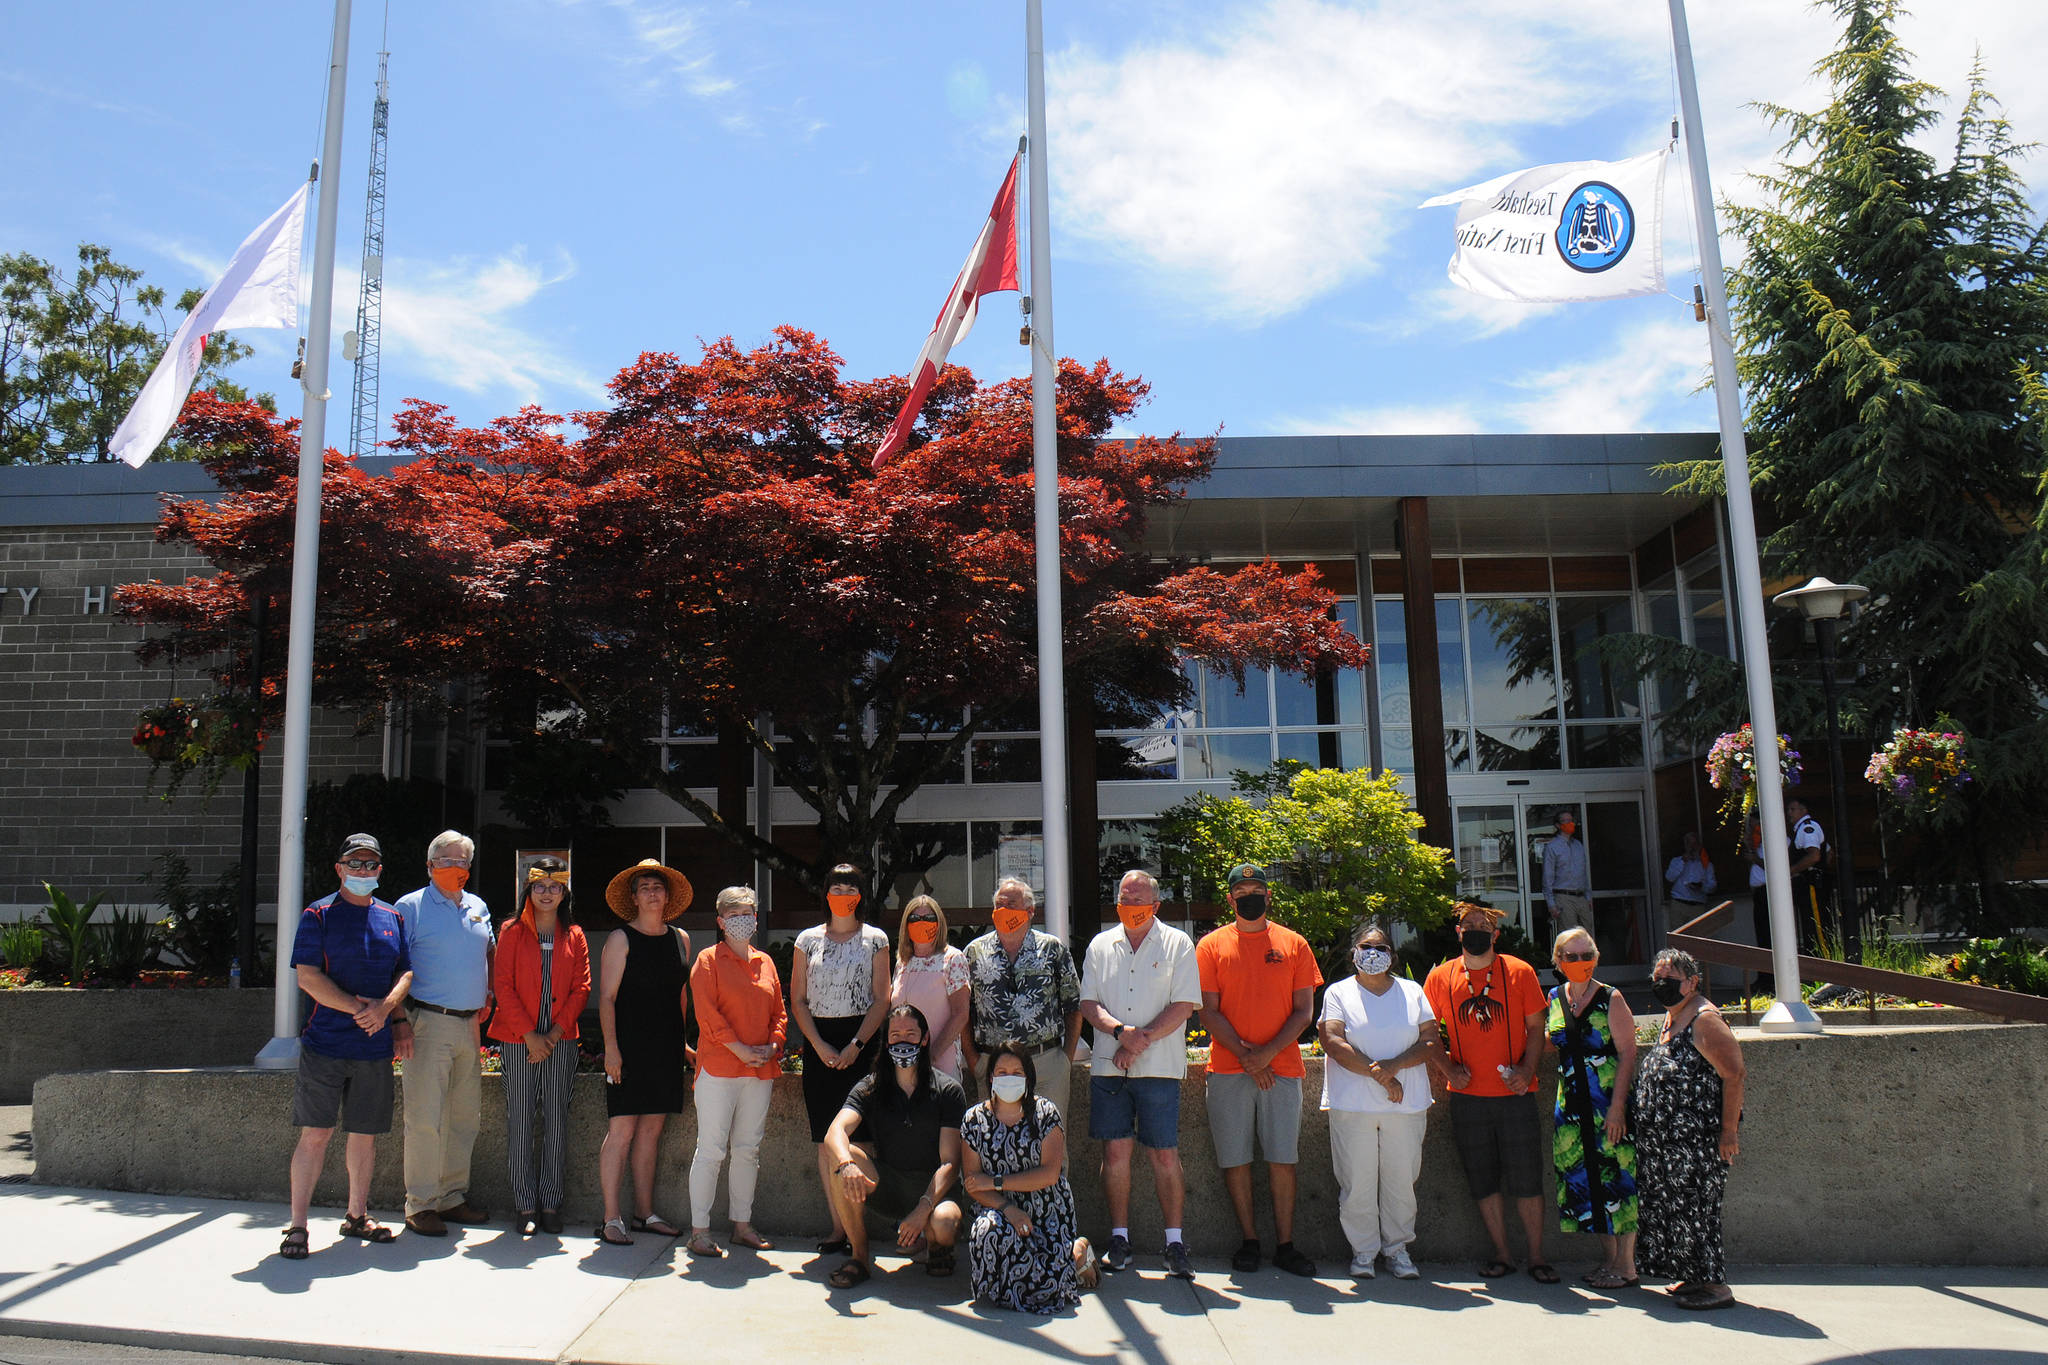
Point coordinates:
[(1493, 1270), (614, 1232), (752, 1241), (849, 1275), (1604, 1278), (369, 1229), (1704, 1300), (1543, 1272), (294, 1247), (1087, 1269), (657, 1225), (702, 1245), (837, 1246), (523, 1223), (938, 1262)]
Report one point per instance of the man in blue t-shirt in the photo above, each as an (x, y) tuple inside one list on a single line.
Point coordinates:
[(350, 955)]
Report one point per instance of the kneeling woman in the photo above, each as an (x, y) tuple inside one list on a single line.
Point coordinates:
[(541, 979), (1022, 1250)]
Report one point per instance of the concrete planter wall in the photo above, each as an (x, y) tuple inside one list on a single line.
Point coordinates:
[(1890, 1146), (45, 1032)]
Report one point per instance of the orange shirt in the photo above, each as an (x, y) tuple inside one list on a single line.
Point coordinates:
[(1254, 978), (1485, 1016), (738, 1000)]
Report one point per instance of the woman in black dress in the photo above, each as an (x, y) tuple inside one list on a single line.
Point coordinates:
[(1022, 1249), (642, 980), (1688, 1114)]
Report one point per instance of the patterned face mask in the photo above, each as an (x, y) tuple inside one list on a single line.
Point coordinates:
[(1372, 959), (905, 1054), (740, 928)]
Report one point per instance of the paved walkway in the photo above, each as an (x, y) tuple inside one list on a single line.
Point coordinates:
[(200, 1275)]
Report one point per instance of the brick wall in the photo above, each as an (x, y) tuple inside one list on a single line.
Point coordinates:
[(74, 807)]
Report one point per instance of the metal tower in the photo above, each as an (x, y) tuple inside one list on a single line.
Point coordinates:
[(370, 307)]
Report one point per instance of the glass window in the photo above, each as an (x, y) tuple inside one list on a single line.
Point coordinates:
[(1334, 699), (1325, 748), (1705, 605), (696, 765), (912, 754), (1120, 845), (1390, 661), (1516, 748), (1210, 757), (985, 846), (1151, 756), (1487, 866), (1397, 749), (1514, 668), (1218, 702), (1006, 760), (1605, 746), (1591, 688), (931, 860)]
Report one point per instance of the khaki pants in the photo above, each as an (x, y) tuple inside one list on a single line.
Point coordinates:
[(1377, 1158), (1569, 911), (443, 1099), (1056, 1080)]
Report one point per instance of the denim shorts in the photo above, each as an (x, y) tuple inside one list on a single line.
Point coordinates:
[(1148, 1106)]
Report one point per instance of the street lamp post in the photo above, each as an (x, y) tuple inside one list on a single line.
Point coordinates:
[(1823, 602)]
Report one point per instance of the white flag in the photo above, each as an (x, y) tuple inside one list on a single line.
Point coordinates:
[(259, 289), (1563, 233)]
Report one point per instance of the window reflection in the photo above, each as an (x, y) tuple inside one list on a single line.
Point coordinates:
[(1514, 675), (1592, 690)]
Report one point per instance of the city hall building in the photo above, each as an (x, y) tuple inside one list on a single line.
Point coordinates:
[(1479, 568)]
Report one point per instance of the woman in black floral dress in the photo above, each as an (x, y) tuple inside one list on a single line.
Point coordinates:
[(1021, 1248), (1688, 1114)]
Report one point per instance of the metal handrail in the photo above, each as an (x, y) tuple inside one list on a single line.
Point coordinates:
[(2008, 1005)]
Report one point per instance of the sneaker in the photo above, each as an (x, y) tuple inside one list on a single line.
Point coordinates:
[(1177, 1261), (1400, 1266), (1117, 1255), (1362, 1267)]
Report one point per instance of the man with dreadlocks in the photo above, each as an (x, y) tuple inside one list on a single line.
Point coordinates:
[(1491, 1009)]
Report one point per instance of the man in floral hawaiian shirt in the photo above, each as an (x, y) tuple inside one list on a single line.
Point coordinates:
[(1024, 988)]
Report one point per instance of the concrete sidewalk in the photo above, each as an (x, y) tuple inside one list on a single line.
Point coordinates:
[(197, 1274)]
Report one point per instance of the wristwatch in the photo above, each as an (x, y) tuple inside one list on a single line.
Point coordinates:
[(1118, 1033), (999, 1184)]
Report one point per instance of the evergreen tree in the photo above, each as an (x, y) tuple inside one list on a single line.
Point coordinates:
[(1887, 312)]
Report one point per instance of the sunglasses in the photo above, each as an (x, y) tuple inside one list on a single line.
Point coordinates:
[(924, 919), (534, 874), (362, 864), (1577, 957)]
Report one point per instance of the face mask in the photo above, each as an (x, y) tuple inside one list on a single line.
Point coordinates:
[(1478, 942), (359, 886), (1371, 960), (1135, 917), (1008, 1089), (1252, 907), (921, 931), (449, 881), (740, 928), (1667, 990), (1009, 919), (843, 904), (905, 1054), (1578, 973)]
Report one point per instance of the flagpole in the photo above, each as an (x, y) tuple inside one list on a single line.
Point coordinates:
[(1052, 685), (1791, 1014), (283, 1048)]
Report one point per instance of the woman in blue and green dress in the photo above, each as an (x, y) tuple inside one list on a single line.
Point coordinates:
[(1594, 1033)]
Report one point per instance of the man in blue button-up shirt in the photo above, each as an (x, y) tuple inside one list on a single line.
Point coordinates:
[(1565, 885), (448, 940)]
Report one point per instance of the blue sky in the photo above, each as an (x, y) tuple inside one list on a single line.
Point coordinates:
[(575, 181)]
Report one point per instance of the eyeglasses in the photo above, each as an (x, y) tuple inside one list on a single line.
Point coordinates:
[(362, 864), (447, 862), (1578, 957)]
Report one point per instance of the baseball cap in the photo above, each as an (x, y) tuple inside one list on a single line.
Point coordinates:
[(1246, 872), (356, 841)]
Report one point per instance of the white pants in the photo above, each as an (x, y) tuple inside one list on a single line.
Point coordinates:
[(732, 1114), (1377, 1157)]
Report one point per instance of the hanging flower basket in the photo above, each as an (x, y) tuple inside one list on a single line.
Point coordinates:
[(1921, 770), (161, 732), (220, 735), (1731, 767), (228, 729)]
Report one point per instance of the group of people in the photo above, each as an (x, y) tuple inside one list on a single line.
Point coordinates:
[(892, 1044)]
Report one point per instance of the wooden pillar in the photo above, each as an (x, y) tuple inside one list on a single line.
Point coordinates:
[(1425, 684), (1084, 912)]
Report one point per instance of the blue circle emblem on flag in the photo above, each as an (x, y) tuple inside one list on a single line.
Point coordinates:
[(1596, 229)]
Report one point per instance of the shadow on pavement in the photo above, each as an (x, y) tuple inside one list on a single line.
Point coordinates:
[(107, 1260)]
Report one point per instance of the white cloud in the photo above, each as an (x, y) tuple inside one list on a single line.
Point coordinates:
[(1274, 153), (1638, 382), (1431, 419), (1474, 317), (664, 44)]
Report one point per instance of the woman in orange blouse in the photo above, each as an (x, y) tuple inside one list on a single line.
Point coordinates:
[(741, 1027), (541, 979)]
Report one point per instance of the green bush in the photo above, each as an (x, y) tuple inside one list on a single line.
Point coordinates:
[(127, 943), (2008, 964), (21, 945), (73, 941), (202, 924)]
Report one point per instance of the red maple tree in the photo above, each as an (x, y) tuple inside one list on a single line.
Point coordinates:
[(713, 549)]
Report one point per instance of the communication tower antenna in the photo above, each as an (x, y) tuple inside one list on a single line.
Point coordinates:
[(370, 306)]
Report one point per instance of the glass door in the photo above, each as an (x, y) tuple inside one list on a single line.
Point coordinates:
[(1500, 861)]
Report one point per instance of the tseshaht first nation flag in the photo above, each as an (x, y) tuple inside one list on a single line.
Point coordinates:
[(991, 267), (1563, 233), (260, 288)]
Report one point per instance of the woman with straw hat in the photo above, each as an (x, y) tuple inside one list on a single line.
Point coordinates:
[(642, 982)]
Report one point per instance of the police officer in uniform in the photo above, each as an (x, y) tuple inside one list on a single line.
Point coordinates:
[(1808, 844)]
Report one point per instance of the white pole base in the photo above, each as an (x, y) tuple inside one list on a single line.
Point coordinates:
[(1790, 1016), (280, 1054)]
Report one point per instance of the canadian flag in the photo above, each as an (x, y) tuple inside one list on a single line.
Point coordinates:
[(991, 267)]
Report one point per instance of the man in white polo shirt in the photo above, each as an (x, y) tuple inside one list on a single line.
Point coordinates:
[(1138, 986)]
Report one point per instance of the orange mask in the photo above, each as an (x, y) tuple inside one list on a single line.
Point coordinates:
[(449, 881), (1009, 918), (921, 931), (1578, 973), (1135, 917), (843, 904)]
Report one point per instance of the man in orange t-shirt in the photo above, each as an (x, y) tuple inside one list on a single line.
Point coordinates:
[(1491, 1009), (1259, 984)]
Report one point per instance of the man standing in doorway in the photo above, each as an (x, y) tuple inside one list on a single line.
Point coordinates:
[(1138, 987), (1259, 984), (448, 938), (1565, 884), (1023, 987), (1492, 1012)]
